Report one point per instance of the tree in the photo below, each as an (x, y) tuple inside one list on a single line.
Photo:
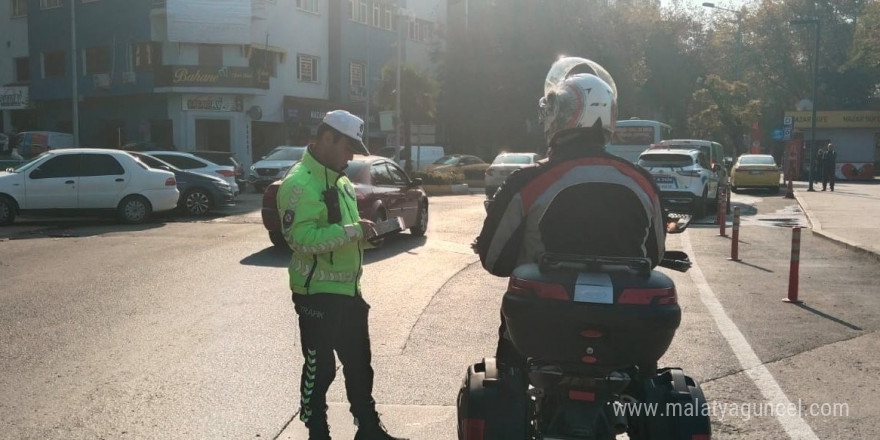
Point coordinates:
[(417, 100), (721, 110)]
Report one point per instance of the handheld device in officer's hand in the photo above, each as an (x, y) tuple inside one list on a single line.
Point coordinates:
[(331, 200), (385, 228)]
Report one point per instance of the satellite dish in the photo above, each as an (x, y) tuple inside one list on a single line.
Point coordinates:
[(804, 105), (255, 112)]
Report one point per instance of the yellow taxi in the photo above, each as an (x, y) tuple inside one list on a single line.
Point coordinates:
[(755, 171)]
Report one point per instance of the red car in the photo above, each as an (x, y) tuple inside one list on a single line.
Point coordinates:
[(383, 191)]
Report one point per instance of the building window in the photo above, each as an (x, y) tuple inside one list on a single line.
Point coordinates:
[(53, 64), (421, 30), (97, 60), (362, 17), (22, 70), (357, 84), (377, 15), (307, 5), (387, 17), (146, 55), (210, 55), (307, 68), (19, 8), (50, 4), (351, 9)]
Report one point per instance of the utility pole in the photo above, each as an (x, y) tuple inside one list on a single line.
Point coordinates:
[(815, 76), (73, 75)]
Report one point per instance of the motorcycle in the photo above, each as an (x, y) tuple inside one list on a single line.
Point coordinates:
[(592, 329)]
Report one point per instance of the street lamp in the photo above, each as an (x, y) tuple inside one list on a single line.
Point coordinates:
[(739, 34), (806, 21)]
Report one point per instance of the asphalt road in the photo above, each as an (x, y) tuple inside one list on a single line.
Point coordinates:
[(184, 329)]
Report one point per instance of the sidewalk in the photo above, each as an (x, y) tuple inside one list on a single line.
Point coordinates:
[(850, 215)]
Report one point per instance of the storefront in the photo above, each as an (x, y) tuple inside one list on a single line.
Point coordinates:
[(855, 135), (16, 112)]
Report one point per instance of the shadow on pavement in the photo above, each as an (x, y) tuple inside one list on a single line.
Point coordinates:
[(269, 257), (72, 228), (829, 317)]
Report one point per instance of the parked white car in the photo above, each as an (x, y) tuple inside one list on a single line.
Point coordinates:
[(195, 164), (503, 165), (686, 179), (87, 179), (274, 165)]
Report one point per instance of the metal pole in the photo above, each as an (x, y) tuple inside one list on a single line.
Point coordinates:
[(813, 118), (73, 75), (734, 241)]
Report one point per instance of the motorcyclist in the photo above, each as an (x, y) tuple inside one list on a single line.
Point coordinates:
[(581, 200)]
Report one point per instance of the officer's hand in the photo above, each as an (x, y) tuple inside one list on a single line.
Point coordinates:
[(369, 228)]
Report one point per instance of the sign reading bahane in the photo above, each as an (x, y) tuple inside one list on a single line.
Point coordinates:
[(198, 76), (836, 119), (209, 21), (14, 98)]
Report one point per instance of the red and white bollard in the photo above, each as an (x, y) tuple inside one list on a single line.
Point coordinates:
[(795, 266), (734, 241)]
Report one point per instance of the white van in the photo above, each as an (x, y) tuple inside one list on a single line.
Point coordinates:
[(28, 144), (422, 155)]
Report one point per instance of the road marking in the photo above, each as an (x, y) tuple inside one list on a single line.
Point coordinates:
[(794, 426)]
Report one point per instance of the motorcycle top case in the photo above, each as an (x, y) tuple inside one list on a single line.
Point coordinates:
[(595, 320)]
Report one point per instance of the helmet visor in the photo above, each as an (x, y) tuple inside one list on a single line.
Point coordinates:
[(563, 67)]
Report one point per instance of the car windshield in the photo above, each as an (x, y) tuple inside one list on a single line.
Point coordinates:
[(286, 153), (513, 159), (666, 160), (757, 160), (446, 160)]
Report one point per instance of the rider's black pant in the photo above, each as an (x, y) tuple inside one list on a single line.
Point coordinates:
[(330, 322)]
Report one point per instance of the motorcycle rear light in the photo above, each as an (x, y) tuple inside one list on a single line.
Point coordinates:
[(170, 182), (226, 173), (645, 297), (584, 396), (474, 429), (592, 333), (589, 359), (522, 287)]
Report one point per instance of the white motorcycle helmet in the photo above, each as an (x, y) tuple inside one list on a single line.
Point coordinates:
[(578, 94)]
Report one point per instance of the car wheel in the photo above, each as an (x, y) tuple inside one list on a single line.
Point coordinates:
[(277, 239), (7, 211), (379, 216), (699, 205), (196, 202), (134, 209), (421, 225)]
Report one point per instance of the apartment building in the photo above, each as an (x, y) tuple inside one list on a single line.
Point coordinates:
[(15, 112), (227, 75)]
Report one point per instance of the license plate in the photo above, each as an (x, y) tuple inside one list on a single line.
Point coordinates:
[(755, 172), (664, 180)]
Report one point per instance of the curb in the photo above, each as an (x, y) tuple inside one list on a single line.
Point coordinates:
[(816, 229)]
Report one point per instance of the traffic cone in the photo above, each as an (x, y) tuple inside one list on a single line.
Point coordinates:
[(790, 193)]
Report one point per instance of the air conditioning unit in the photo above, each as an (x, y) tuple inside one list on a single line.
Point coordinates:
[(102, 81), (129, 77)]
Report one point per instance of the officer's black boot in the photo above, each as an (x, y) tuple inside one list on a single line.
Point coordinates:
[(318, 429), (370, 428)]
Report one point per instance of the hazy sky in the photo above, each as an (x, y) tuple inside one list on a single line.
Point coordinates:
[(697, 4)]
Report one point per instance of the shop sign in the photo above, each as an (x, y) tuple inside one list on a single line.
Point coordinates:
[(14, 98), (836, 119), (201, 76), (214, 103)]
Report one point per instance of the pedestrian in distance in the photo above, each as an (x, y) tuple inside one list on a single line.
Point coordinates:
[(829, 167), (320, 222), (819, 169)]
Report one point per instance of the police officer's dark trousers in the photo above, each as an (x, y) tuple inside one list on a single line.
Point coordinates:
[(331, 322)]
